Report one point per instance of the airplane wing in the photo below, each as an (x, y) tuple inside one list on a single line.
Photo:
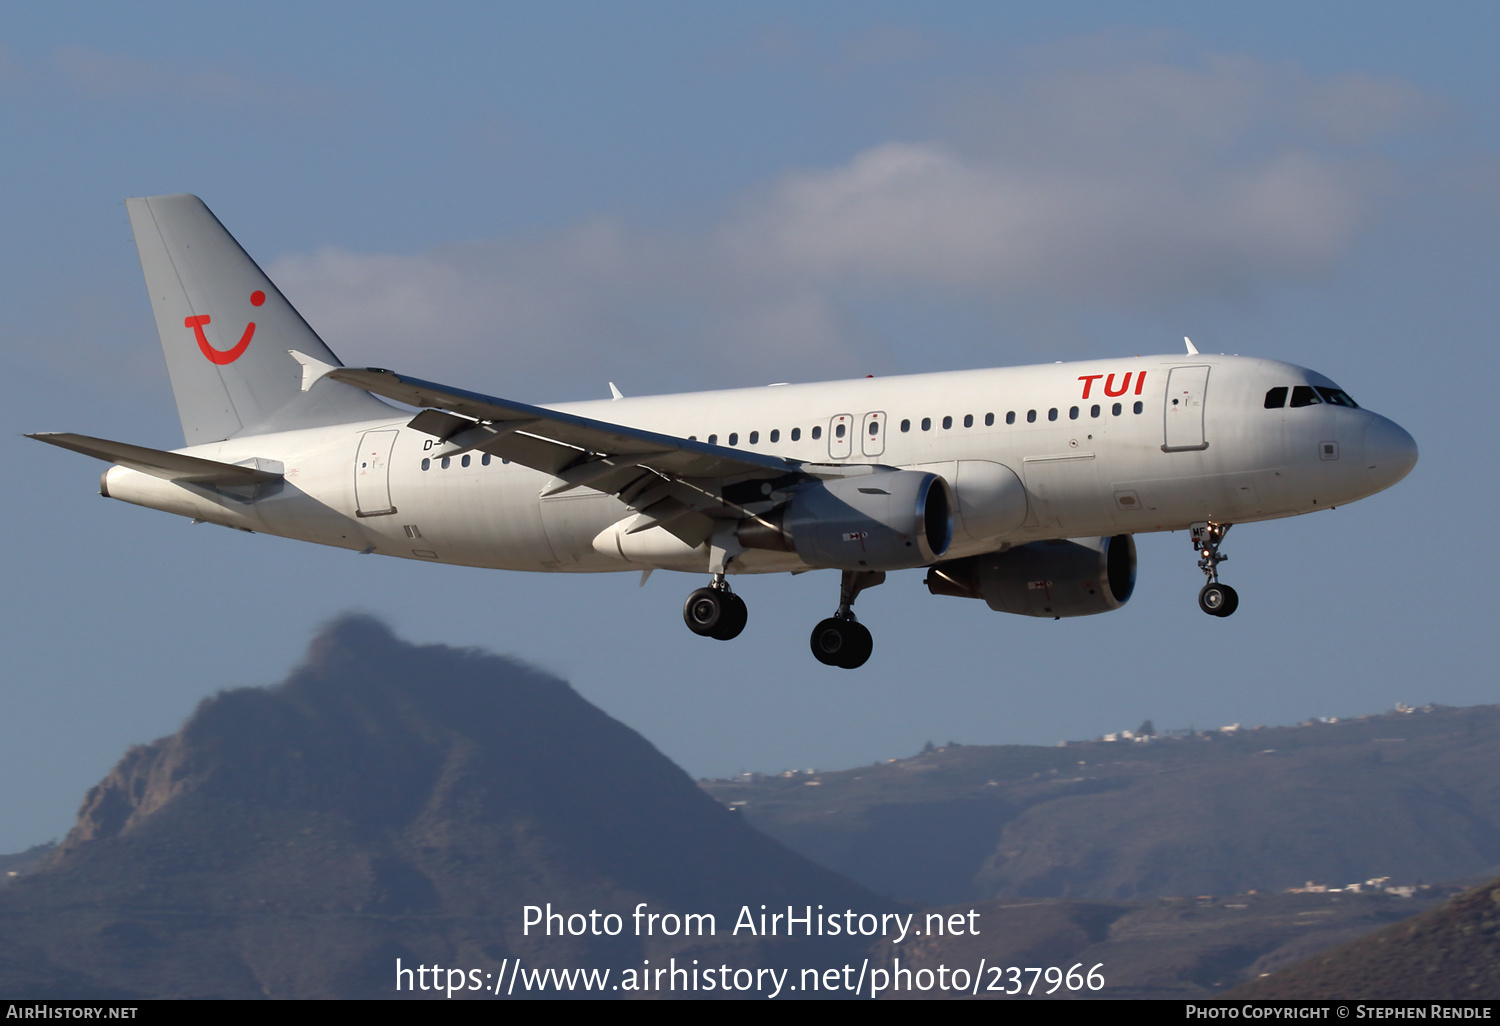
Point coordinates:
[(173, 466), (678, 484)]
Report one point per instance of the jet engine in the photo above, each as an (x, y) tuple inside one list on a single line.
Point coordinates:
[(885, 520), (1063, 577)]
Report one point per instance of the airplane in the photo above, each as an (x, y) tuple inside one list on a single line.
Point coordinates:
[(1021, 487)]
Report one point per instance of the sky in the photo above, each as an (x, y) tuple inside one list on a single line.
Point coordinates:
[(533, 200)]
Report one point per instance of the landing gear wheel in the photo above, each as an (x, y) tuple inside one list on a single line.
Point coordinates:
[(732, 620), (846, 644), (703, 612), (715, 613), (1218, 599)]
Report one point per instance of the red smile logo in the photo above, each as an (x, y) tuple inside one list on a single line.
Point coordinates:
[(223, 356)]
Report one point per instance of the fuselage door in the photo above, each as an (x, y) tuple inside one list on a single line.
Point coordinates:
[(872, 434), (841, 436), (1186, 389), (372, 474)]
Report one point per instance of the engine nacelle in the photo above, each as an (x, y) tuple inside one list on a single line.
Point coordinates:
[(886, 520), (1074, 577)]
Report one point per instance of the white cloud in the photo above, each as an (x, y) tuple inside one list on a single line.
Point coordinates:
[(1130, 186)]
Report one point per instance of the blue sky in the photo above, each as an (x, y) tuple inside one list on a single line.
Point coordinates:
[(537, 199)]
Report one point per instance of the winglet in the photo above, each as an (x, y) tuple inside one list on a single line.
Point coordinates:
[(615, 393), (1192, 349), (312, 370)]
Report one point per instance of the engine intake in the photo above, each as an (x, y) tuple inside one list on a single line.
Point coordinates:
[(886, 520), (1064, 577)]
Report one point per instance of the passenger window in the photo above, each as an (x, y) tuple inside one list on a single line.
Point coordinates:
[(1094, 411), (446, 461), (426, 464), (817, 432), (968, 420), (1115, 409), (1031, 416), (1303, 395), (926, 423), (465, 460), (874, 428), (796, 434), (947, 423), (1010, 418), (754, 437), (1052, 413), (838, 431), (905, 425), (776, 434), (713, 439), (484, 460), (1073, 413), (1276, 398), (989, 420), (1337, 397), (734, 438), (1140, 407)]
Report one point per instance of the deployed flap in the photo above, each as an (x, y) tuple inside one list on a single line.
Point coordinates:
[(174, 466)]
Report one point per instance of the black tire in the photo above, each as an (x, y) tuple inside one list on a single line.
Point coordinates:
[(733, 619), (1217, 599), (857, 646), (703, 612), (1231, 601), (829, 641)]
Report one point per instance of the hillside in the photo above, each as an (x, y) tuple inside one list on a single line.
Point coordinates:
[(1182, 948), (1409, 795), (1449, 952), (386, 801)]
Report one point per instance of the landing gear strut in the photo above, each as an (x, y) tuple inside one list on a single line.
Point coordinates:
[(715, 611), (841, 640), (1215, 599)]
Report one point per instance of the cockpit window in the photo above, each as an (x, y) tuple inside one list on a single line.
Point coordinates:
[(1337, 397), (1276, 398), (1303, 395)]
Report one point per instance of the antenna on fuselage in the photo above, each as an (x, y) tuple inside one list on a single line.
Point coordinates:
[(1192, 349), (615, 393)]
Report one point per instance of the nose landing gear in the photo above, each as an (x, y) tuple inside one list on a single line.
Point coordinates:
[(841, 640), (1215, 599), (715, 611)]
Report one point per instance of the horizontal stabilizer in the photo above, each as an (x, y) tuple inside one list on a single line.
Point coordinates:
[(173, 466)]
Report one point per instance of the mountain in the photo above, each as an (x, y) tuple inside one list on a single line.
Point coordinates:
[(1411, 795), (1449, 952), (386, 801)]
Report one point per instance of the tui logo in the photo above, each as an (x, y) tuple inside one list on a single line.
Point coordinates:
[(223, 356)]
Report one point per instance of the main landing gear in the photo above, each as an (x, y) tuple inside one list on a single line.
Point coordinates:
[(1215, 599), (715, 611), (841, 640)]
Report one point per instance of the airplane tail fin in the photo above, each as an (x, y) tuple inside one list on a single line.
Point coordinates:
[(226, 331)]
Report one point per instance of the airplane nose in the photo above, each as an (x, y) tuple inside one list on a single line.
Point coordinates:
[(1390, 452)]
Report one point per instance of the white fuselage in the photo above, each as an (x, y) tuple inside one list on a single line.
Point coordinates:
[(1065, 450)]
